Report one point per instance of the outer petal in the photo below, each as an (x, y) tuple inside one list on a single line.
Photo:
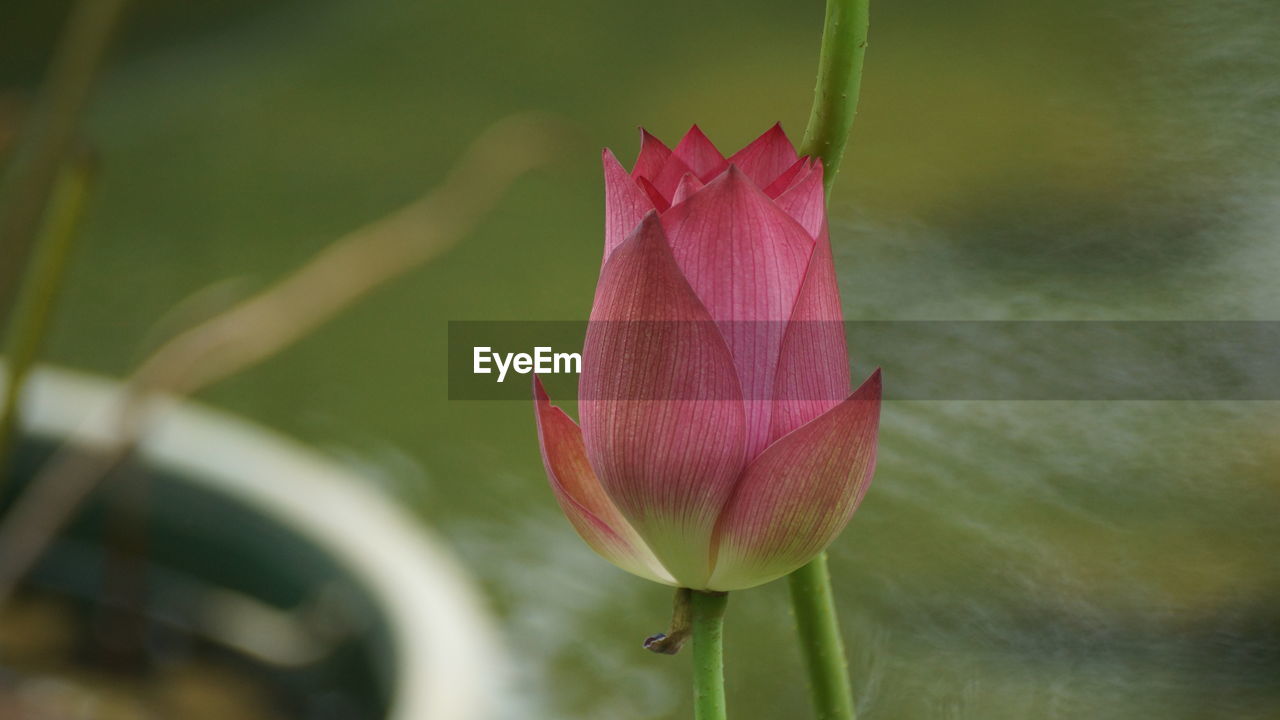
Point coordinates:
[(767, 157), (653, 155), (797, 496), (700, 155), (582, 499), (813, 361), (625, 204), (806, 200), (662, 414), (744, 258)]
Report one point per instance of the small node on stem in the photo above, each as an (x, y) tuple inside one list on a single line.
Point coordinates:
[(670, 642)]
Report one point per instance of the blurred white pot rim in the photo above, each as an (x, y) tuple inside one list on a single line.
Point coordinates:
[(447, 653)]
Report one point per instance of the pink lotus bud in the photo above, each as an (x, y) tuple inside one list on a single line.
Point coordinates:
[(720, 444)]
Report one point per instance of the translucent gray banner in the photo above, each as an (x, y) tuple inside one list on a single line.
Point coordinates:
[(929, 360)]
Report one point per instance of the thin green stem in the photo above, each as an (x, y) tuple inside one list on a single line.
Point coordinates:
[(708, 655), (820, 642), (38, 294), (48, 135), (835, 101)]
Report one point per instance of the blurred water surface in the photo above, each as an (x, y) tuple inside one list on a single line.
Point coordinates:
[(1013, 160)]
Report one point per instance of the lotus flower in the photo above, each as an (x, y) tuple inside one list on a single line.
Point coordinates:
[(720, 445)]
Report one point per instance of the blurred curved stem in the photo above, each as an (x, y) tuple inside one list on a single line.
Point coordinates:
[(708, 654), (820, 641), (48, 135), (264, 325), (38, 294), (835, 99)]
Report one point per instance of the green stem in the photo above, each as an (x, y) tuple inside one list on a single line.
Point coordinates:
[(708, 655), (49, 135), (39, 291), (820, 642), (835, 101)]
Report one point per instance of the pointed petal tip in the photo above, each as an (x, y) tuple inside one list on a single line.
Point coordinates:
[(689, 184), (539, 392), (737, 176), (699, 154), (648, 230), (653, 155), (542, 406), (626, 199), (735, 180), (733, 175), (778, 132), (648, 137), (874, 384)]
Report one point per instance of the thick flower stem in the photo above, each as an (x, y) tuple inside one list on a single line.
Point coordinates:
[(835, 103), (708, 654), (820, 641), (835, 99)]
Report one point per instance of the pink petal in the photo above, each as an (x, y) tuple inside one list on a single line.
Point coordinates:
[(653, 155), (660, 203), (745, 259), (813, 362), (668, 178), (797, 497), (806, 200), (662, 413), (581, 498), (625, 204), (700, 155), (783, 182), (688, 186), (767, 157)]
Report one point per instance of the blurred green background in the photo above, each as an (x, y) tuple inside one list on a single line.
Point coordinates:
[(1013, 159)]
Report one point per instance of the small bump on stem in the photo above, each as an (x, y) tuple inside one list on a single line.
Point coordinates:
[(670, 642)]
